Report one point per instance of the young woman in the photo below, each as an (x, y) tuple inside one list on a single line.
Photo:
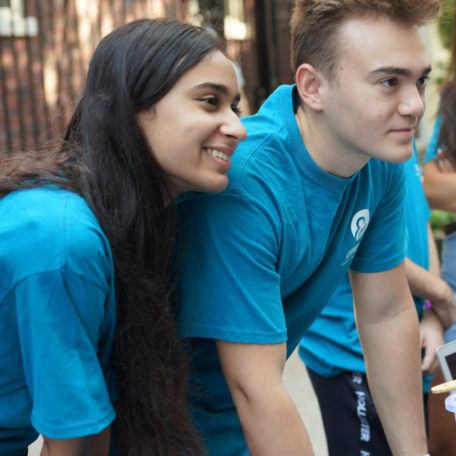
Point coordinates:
[(86, 231)]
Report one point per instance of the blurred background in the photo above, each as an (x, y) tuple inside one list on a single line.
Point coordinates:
[(45, 46)]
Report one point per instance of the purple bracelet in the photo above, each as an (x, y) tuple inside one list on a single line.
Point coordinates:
[(427, 304)]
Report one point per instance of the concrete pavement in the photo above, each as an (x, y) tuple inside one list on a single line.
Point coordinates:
[(298, 384)]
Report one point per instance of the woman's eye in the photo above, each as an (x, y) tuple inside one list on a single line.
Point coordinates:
[(235, 108), (210, 100)]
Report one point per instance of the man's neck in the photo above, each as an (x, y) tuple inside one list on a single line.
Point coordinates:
[(333, 158)]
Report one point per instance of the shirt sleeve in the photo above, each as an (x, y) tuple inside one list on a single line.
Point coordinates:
[(60, 318), (383, 246), (229, 287)]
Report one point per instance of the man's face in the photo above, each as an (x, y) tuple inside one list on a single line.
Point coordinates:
[(373, 105)]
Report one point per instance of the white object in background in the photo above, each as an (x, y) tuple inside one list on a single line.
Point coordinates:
[(450, 403)]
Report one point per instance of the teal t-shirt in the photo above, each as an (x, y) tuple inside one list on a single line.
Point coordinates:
[(57, 319), (331, 345), (261, 259)]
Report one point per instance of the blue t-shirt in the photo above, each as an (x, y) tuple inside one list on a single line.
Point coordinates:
[(57, 319), (331, 345), (262, 258)]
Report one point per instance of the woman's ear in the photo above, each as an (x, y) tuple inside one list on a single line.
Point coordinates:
[(309, 83)]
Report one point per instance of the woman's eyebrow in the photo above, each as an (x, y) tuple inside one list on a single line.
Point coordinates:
[(212, 85), (223, 89)]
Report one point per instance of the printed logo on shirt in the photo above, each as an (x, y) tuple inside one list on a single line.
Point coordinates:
[(359, 223), (349, 256)]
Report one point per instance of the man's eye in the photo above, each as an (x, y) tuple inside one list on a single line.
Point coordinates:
[(391, 82), (423, 81)]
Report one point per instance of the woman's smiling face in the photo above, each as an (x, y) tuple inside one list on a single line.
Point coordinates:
[(194, 129)]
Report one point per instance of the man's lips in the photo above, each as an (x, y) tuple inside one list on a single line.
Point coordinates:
[(407, 131)]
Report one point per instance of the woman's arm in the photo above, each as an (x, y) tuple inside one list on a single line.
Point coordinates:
[(91, 445)]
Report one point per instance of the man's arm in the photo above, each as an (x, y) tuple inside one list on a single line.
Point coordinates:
[(270, 421), (388, 329), (91, 445)]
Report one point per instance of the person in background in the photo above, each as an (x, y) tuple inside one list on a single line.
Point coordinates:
[(86, 237), (332, 351), (314, 190), (440, 188)]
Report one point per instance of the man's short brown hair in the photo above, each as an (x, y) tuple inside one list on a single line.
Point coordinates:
[(314, 25)]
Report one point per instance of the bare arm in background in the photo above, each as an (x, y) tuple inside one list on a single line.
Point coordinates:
[(440, 184), (427, 284)]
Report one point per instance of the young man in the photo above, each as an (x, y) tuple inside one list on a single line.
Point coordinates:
[(332, 352), (310, 196)]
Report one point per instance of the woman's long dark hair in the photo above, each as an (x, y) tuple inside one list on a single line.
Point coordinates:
[(106, 159)]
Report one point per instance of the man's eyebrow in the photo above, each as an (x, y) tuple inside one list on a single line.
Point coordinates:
[(397, 71)]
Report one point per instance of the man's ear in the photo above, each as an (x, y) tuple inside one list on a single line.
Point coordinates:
[(308, 82)]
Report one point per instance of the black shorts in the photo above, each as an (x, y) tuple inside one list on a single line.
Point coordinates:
[(352, 425)]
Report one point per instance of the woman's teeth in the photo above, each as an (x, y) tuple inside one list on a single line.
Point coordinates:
[(217, 154)]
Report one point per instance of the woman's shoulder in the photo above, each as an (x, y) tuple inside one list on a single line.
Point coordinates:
[(45, 212), (37, 203), (48, 228)]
